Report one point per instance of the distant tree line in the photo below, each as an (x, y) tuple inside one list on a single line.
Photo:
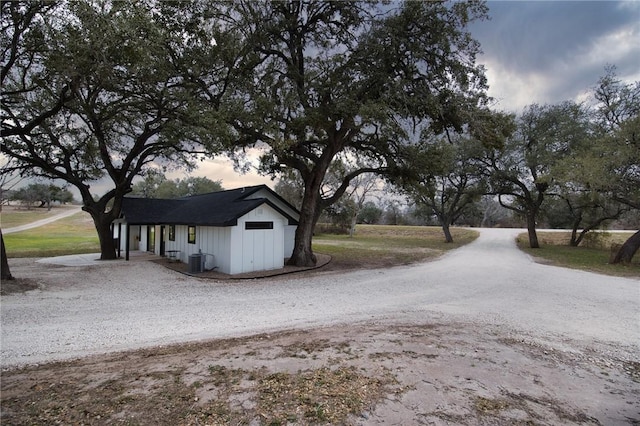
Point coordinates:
[(569, 165), (39, 195), (156, 185)]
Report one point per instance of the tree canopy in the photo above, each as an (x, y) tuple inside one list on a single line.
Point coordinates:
[(521, 173), (351, 81), (156, 185), (450, 179), (101, 92), (41, 194)]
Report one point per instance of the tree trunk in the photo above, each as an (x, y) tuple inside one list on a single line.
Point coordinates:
[(628, 249), (302, 252), (354, 222), (5, 273), (531, 230), (485, 219), (575, 239), (105, 235), (447, 232)]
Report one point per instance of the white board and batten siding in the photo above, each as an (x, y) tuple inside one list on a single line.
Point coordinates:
[(212, 241), (258, 249), (289, 230)]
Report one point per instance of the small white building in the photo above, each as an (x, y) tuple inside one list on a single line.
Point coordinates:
[(236, 231)]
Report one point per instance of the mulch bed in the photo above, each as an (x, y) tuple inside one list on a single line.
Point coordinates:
[(323, 260)]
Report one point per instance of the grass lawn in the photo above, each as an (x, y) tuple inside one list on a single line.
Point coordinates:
[(373, 246), (592, 254), (12, 216), (387, 245), (71, 235)]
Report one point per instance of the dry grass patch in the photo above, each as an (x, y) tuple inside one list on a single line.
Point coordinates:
[(195, 384), (592, 255), (379, 246), (224, 396), (317, 396), (13, 216), (489, 405)]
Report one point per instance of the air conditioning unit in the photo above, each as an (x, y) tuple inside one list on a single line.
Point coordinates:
[(195, 264)]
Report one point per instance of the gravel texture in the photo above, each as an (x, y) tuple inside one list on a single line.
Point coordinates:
[(124, 305), (483, 335)]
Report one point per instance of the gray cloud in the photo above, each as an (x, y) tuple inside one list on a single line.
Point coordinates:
[(542, 51), (531, 35)]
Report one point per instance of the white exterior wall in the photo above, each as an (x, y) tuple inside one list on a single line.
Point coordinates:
[(212, 241), (289, 230), (137, 236), (143, 238), (123, 235), (258, 249), (134, 236)]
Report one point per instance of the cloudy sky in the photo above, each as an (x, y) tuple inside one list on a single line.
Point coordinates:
[(550, 51), (536, 52)]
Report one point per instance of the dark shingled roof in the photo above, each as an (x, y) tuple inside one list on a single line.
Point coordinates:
[(214, 209)]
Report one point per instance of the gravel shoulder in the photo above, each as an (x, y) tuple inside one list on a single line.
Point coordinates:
[(482, 336)]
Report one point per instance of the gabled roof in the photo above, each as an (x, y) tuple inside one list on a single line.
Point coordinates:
[(221, 208)]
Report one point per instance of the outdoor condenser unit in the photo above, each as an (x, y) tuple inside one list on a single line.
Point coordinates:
[(195, 263)]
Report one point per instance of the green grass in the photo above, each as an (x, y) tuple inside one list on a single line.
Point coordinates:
[(593, 256), (11, 216), (385, 245), (72, 235)]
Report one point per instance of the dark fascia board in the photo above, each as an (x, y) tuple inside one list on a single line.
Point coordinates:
[(259, 202), (291, 220), (257, 188)]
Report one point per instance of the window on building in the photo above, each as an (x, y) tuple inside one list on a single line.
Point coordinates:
[(172, 232), (258, 225), (191, 234)]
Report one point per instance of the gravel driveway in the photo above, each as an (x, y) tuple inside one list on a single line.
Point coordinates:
[(483, 335), (125, 305)]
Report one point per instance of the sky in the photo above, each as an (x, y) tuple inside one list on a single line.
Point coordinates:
[(535, 52), (551, 51)]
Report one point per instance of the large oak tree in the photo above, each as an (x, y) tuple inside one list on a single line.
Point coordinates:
[(450, 181), (352, 81), (522, 172), (619, 109), (21, 44), (101, 93), (608, 167)]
